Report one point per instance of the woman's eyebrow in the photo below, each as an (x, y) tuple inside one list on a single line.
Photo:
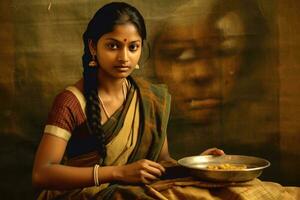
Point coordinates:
[(120, 41)]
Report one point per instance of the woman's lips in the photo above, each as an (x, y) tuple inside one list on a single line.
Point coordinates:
[(203, 103), (122, 68)]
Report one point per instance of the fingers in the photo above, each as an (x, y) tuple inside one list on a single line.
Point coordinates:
[(152, 167), (218, 152), (144, 171), (213, 151), (157, 166), (154, 171), (150, 170), (147, 177)]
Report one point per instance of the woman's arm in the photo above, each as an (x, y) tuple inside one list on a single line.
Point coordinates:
[(50, 174)]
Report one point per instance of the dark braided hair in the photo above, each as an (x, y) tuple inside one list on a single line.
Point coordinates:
[(104, 21)]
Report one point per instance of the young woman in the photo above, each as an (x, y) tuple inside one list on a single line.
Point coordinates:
[(108, 127)]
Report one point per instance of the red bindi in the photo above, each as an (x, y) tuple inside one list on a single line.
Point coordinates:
[(125, 40)]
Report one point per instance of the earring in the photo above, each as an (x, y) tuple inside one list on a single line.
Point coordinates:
[(137, 66), (93, 62)]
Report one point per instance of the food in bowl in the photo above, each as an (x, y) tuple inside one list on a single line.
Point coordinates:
[(226, 166)]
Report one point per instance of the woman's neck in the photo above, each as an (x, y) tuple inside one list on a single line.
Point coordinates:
[(108, 86), (112, 95)]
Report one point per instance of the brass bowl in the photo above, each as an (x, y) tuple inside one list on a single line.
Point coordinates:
[(197, 165)]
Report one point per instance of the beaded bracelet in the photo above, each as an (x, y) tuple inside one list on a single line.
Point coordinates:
[(96, 177)]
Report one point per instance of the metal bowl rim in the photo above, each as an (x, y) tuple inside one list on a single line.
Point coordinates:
[(180, 162)]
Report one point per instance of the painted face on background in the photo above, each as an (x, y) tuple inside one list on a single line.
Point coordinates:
[(199, 60), (118, 52)]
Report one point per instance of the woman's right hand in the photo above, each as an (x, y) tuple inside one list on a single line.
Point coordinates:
[(142, 171)]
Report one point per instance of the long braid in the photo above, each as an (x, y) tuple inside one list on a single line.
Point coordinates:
[(92, 109)]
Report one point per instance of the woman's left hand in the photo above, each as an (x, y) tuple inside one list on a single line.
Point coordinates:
[(213, 151)]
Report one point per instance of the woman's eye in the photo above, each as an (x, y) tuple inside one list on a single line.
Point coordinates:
[(112, 46), (133, 47)]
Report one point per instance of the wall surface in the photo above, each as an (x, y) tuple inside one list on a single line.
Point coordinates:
[(289, 69), (232, 69)]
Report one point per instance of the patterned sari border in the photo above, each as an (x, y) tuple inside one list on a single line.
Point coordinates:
[(58, 132)]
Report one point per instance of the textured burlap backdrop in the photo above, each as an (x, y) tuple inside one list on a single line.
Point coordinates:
[(251, 63)]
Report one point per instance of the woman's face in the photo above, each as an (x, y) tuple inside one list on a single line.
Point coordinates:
[(199, 60), (118, 52)]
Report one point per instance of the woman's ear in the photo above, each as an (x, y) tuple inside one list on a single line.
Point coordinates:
[(92, 47)]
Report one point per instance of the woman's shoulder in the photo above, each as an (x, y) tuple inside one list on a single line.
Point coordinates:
[(69, 95)]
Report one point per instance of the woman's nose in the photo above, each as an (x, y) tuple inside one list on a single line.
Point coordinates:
[(123, 55)]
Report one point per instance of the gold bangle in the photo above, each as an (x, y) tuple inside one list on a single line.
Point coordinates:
[(96, 176)]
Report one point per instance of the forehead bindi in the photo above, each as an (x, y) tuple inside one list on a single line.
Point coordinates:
[(126, 33)]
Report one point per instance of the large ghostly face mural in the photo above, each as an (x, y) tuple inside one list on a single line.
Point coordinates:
[(199, 54)]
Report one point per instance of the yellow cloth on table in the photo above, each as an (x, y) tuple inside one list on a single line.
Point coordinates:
[(189, 188)]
